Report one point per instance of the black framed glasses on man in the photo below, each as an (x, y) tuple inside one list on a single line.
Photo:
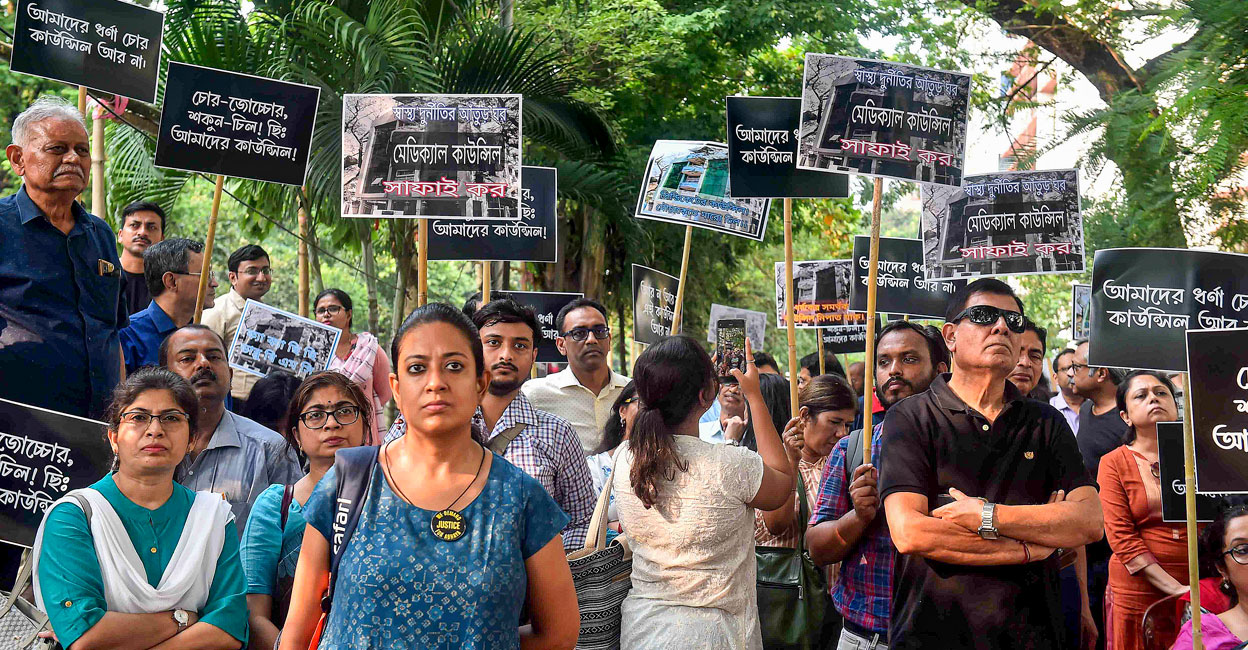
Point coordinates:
[(581, 334)]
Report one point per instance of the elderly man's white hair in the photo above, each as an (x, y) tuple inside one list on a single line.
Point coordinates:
[(46, 107)]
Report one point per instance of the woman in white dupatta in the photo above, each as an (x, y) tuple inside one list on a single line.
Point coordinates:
[(154, 565)]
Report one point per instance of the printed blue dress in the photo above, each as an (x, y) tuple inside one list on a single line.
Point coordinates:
[(399, 586)]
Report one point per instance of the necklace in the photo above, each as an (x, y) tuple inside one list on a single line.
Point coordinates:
[(447, 524)]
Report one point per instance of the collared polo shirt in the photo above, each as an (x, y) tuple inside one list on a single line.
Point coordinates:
[(223, 318), (241, 461), (563, 394), (934, 441), (60, 309), (140, 341)]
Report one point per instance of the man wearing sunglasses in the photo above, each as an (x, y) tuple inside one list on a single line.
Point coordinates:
[(172, 268), (980, 488), (583, 392)]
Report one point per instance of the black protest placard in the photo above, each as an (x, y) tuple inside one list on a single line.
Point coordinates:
[(422, 156), (762, 148), (1173, 483), (1143, 300), (755, 323), (881, 118), (43, 455), (534, 237), (846, 340), (686, 182), (110, 46), (221, 122), (1217, 363), (546, 304), (654, 304), (901, 287), (1004, 223), (821, 292), (1081, 311), (270, 339)]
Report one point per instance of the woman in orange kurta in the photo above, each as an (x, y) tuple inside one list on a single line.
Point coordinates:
[(1150, 556)]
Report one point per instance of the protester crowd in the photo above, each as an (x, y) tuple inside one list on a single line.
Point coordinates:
[(979, 511)]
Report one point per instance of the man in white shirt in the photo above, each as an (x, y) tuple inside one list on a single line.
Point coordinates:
[(583, 392), (1066, 400), (730, 426)]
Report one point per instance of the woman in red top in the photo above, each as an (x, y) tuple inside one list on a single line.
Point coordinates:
[(1150, 556)]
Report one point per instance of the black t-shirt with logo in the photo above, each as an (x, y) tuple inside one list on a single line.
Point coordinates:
[(134, 293), (933, 441)]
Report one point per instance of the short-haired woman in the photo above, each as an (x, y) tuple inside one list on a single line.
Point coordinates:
[(328, 412), (153, 564)]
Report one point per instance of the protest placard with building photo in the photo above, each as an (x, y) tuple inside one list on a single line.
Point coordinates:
[(686, 182), (1004, 223), (1144, 299), (1217, 361), (238, 125), (534, 237), (43, 455), (1173, 479), (821, 293), (762, 149), (755, 323), (106, 45), (882, 118), (654, 304), (901, 288), (270, 339), (1080, 310), (421, 156), (546, 305)]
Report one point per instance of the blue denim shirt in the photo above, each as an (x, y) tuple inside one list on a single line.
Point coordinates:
[(141, 340), (60, 310)]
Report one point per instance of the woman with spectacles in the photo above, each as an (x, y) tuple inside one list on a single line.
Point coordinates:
[(1225, 541), (328, 412), (358, 356), (1150, 555), (137, 560)]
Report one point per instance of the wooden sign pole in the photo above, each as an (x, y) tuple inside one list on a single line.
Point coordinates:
[(422, 263), (788, 304), (868, 379), (819, 337), (212, 234), (680, 287), (303, 252), (485, 281), (1189, 495)]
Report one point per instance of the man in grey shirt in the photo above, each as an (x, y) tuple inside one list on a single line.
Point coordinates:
[(230, 455)]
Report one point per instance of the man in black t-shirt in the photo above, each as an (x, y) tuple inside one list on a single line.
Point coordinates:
[(142, 224), (980, 487)]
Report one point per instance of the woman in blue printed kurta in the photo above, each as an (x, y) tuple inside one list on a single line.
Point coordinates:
[(183, 582), (399, 585), (328, 412)]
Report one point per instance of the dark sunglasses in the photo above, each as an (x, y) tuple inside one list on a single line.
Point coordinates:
[(579, 334), (987, 315)]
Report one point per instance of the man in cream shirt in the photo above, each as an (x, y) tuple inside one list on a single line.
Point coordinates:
[(250, 277), (583, 392)]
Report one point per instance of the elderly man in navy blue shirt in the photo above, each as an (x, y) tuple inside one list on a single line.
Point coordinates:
[(60, 277)]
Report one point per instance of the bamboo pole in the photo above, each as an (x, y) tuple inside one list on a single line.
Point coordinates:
[(212, 234), (1189, 495), (99, 198), (680, 287), (82, 101), (485, 281), (868, 377), (819, 337), (788, 304), (422, 263), (303, 252)]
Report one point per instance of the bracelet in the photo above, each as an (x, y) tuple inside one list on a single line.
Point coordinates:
[(1027, 552)]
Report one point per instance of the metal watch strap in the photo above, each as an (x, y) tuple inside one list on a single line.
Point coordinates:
[(987, 521)]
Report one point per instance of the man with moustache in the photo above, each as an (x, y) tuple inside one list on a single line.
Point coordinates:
[(846, 525), (173, 266), (729, 427), (142, 225), (583, 392), (230, 454), (1031, 349), (981, 486), (60, 278)]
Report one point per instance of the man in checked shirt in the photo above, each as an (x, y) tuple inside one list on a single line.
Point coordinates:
[(541, 444)]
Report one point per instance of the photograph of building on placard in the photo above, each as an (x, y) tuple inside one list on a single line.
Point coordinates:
[(271, 339), (420, 156), (821, 293), (882, 118), (1080, 303), (1004, 223), (686, 182)]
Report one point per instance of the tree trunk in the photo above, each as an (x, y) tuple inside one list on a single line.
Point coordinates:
[(593, 254), (620, 346), (365, 230), (404, 253), (314, 258)]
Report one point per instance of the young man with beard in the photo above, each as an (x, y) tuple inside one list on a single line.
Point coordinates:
[(583, 392), (847, 524), (142, 225), (230, 455), (981, 486)]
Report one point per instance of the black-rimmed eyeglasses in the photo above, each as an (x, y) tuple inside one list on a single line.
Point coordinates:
[(1238, 553), (317, 419), (579, 334)]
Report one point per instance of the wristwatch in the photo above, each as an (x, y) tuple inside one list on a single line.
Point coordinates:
[(182, 618), (988, 521)]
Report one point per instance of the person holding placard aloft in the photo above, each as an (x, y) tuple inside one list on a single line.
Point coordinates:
[(358, 355), (1150, 555), (250, 278)]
